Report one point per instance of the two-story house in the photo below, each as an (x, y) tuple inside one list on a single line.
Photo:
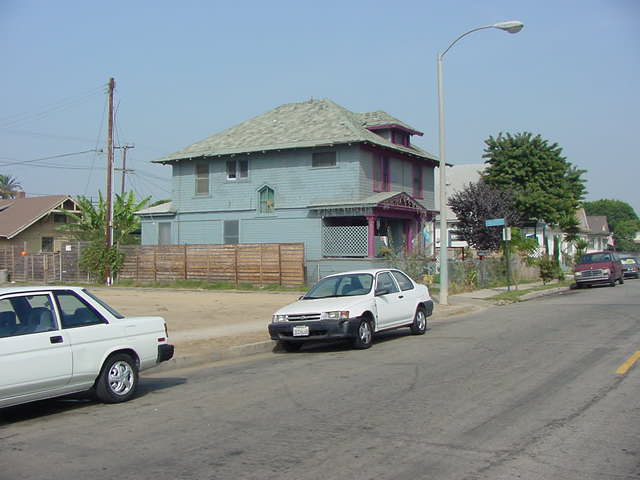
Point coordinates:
[(343, 183)]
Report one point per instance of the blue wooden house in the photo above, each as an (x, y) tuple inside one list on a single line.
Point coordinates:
[(343, 183)]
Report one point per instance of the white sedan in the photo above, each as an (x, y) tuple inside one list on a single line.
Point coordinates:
[(60, 340), (353, 305)]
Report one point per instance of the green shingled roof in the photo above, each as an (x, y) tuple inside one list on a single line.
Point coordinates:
[(298, 125)]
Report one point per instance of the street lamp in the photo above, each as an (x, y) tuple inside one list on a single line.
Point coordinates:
[(513, 26)]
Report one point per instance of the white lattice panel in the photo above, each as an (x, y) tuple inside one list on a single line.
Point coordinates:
[(345, 241)]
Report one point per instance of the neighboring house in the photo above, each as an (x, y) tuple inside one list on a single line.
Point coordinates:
[(30, 224), (595, 231), (458, 177), (314, 172)]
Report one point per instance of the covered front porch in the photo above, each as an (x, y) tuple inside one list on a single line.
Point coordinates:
[(384, 223)]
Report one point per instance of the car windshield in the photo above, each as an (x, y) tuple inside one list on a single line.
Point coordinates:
[(628, 261), (341, 286), (109, 308), (595, 257)]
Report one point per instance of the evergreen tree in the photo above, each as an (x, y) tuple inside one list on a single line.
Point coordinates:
[(544, 184)]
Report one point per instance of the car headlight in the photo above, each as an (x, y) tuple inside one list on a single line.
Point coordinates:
[(578, 274), (279, 318), (337, 315), (606, 271)]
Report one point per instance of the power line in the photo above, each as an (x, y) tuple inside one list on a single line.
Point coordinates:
[(61, 105), (22, 162)]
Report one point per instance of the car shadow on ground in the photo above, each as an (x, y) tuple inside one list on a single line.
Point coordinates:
[(53, 406), (345, 345)]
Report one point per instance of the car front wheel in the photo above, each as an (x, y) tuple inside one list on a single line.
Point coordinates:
[(364, 335), (419, 325), (621, 280), (118, 379)]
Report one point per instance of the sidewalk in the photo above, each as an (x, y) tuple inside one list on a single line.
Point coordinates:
[(198, 343)]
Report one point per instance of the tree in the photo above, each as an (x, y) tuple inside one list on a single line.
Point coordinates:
[(89, 226), (9, 186), (478, 202), (544, 184), (622, 219)]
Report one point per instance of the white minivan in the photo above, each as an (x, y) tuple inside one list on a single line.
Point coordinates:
[(60, 340)]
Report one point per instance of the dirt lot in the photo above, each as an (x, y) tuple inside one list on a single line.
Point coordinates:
[(202, 320)]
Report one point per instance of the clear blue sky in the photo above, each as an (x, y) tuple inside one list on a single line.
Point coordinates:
[(185, 70)]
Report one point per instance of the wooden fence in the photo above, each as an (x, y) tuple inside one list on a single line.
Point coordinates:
[(257, 264), (45, 267)]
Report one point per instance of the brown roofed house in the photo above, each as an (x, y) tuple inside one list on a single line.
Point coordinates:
[(31, 223)]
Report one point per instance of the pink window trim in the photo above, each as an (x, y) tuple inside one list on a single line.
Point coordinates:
[(381, 174)]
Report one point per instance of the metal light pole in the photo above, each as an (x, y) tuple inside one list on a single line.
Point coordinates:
[(511, 27)]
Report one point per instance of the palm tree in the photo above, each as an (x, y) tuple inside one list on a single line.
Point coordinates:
[(9, 186)]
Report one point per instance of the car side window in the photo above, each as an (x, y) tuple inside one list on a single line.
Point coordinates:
[(76, 313), (404, 281), (23, 315), (385, 282)]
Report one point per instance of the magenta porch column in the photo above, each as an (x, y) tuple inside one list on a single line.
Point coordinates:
[(409, 235), (371, 236)]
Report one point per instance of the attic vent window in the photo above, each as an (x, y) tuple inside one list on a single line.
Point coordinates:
[(400, 138), (324, 159)]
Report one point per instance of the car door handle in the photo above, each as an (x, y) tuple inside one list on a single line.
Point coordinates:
[(400, 296), (56, 339)]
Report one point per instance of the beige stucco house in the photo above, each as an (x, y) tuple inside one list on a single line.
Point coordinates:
[(31, 224)]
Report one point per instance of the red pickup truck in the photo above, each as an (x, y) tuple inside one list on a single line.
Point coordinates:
[(598, 268)]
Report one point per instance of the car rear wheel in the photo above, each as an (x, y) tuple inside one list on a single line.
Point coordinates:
[(419, 325), (118, 379), (364, 335)]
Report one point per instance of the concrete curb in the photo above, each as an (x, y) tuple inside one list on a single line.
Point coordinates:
[(543, 293), (216, 356)]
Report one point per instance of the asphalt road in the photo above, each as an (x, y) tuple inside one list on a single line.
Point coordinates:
[(526, 391)]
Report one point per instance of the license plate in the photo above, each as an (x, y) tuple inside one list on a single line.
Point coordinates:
[(301, 331)]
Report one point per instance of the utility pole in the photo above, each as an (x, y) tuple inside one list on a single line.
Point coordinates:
[(124, 169), (109, 212)]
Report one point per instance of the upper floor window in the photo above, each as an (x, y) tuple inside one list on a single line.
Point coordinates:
[(323, 159), (381, 174), (417, 181), (202, 178), (266, 201), (237, 169)]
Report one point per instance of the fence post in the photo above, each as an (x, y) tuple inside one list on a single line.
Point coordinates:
[(280, 264), (185, 261), (155, 265), (77, 279), (138, 263), (236, 262)]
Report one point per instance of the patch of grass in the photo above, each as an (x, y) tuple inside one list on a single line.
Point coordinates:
[(204, 285), (514, 295)]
